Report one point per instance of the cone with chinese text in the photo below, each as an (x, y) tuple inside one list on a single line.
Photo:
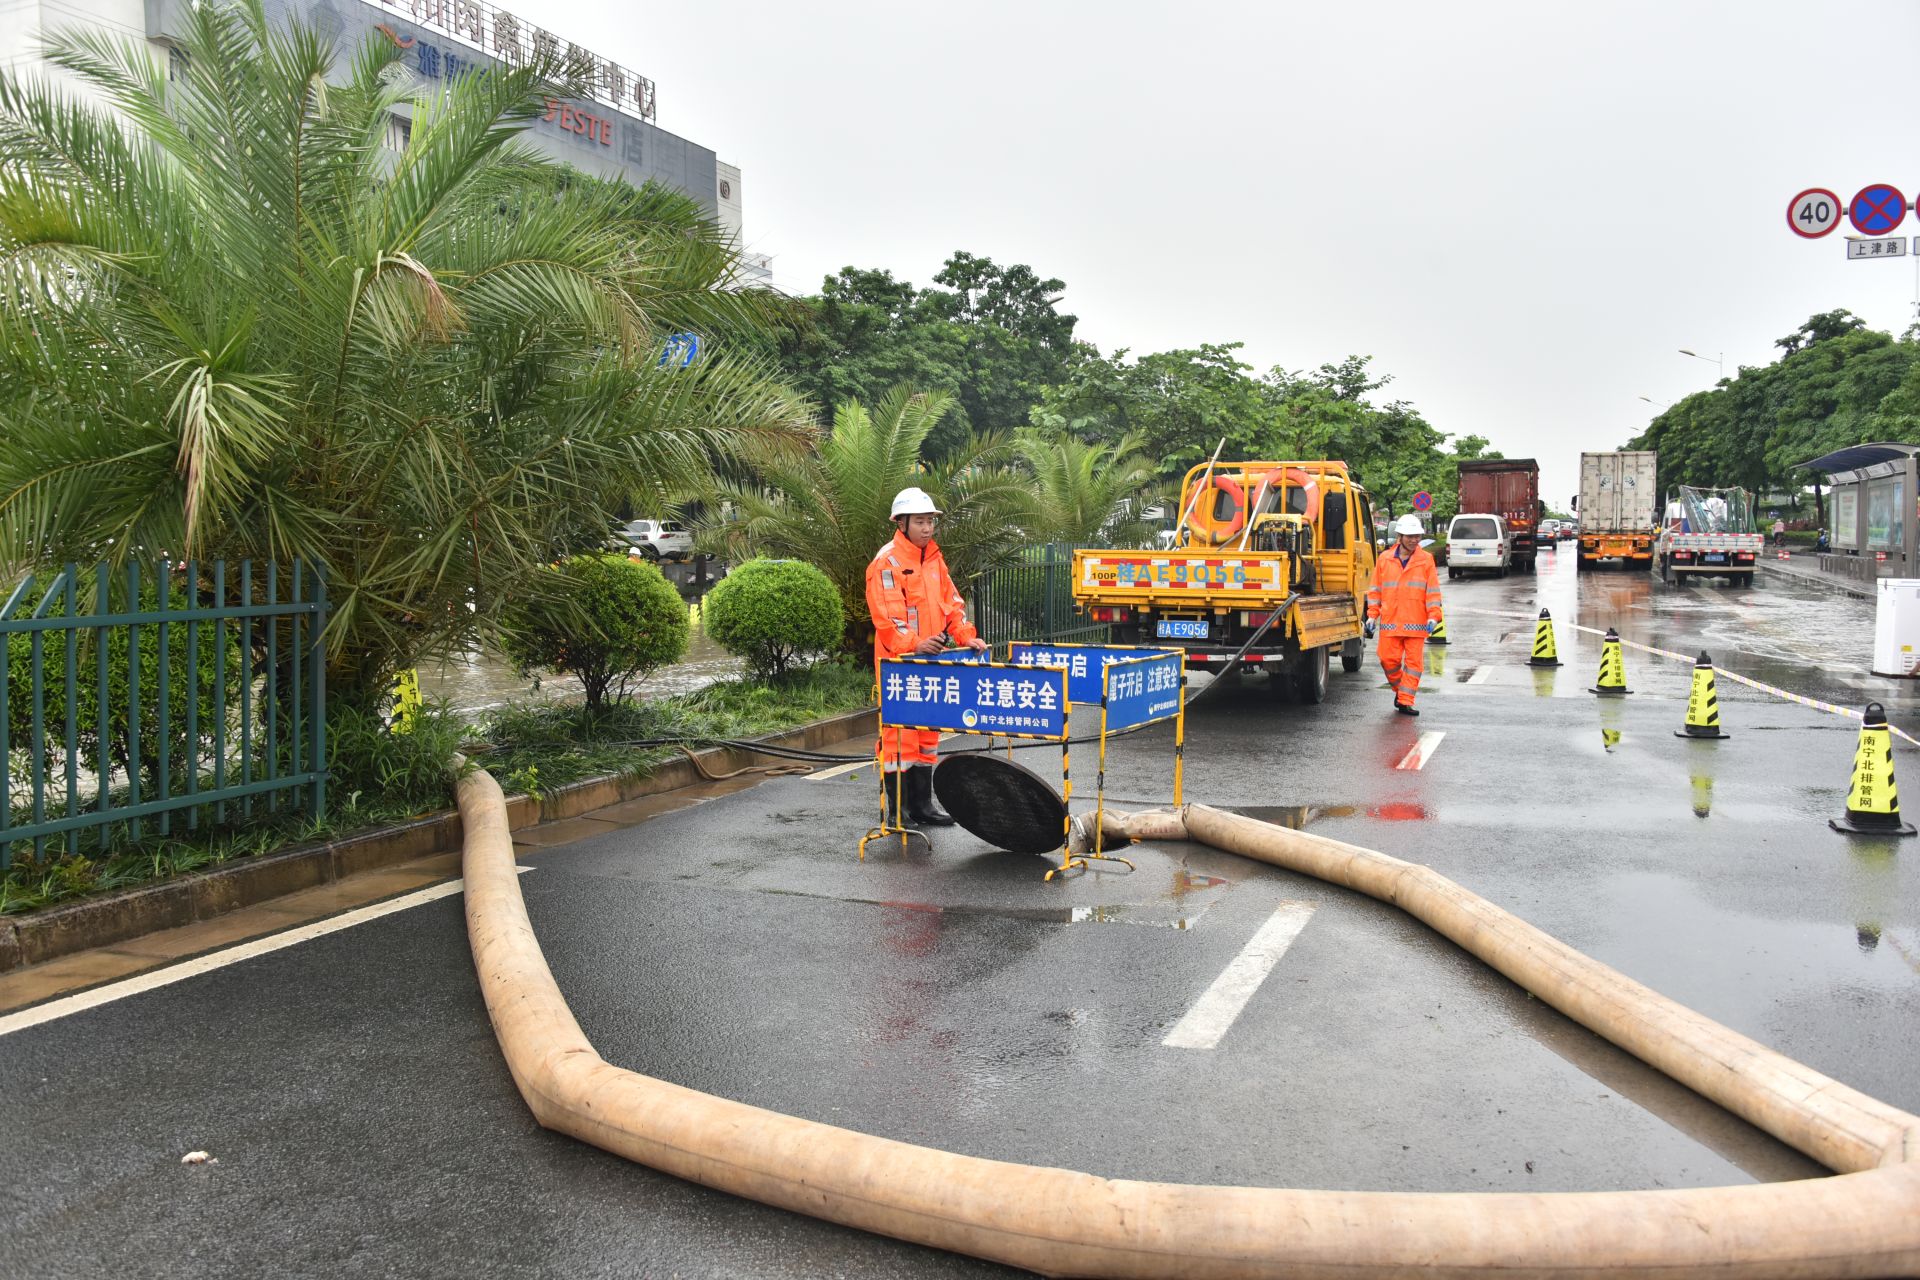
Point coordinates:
[(1873, 802), (1545, 652), (1613, 668), (1439, 633), (1703, 704)]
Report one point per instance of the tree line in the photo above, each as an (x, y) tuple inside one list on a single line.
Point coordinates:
[(994, 339), (1836, 383)]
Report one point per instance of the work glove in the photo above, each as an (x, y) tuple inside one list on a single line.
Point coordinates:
[(1367, 630)]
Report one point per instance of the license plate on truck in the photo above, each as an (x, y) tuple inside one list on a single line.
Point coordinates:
[(1716, 557), (1181, 629)]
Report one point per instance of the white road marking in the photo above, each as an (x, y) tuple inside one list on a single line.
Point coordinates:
[(821, 775), (1481, 675), (1214, 1012), (1418, 754), (81, 1001)]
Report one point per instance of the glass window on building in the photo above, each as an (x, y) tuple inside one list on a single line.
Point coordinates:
[(399, 133)]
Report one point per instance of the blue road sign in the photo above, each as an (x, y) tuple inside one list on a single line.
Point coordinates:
[(990, 697), (1877, 209), (1142, 690), (680, 350), (1422, 500), (1084, 662)]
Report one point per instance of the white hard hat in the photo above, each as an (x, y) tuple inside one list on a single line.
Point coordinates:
[(914, 502), (1408, 524)]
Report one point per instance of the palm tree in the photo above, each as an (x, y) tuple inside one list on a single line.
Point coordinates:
[(831, 507), (1089, 494), (233, 323)]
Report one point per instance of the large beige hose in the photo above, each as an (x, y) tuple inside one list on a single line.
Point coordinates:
[(1058, 1222)]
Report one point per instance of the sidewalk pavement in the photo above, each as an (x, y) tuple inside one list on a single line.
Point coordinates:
[(1806, 568)]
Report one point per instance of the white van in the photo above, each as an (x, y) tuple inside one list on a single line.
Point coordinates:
[(1478, 541)]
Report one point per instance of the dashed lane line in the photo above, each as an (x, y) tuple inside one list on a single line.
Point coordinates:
[(93, 998), (1213, 1014), (1420, 752)]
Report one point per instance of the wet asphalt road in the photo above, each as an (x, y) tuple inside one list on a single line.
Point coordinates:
[(364, 1124)]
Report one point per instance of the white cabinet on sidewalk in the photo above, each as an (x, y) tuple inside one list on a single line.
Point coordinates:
[(1896, 628)]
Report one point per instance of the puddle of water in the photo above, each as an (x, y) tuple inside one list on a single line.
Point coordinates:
[(479, 680), (1295, 817)]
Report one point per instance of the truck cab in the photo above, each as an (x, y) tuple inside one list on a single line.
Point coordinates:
[(1271, 563)]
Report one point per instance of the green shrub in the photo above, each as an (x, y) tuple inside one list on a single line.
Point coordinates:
[(770, 612), (604, 618), (117, 739)]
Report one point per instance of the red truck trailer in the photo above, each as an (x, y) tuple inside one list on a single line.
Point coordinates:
[(1509, 488)]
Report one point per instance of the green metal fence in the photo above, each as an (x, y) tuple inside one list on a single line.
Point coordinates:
[(1032, 599), (176, 694)]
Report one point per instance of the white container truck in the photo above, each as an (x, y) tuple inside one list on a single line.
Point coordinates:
[(1619, 510)]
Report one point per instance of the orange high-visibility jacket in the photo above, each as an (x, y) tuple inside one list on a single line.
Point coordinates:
[(911, 597), (1404, 598)]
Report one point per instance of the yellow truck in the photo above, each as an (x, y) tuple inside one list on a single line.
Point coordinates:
[(1284, 546)]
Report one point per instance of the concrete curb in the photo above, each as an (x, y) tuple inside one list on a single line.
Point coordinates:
[(115, 917)]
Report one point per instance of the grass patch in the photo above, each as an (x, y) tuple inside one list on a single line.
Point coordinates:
[(532, 749), (378, 778)]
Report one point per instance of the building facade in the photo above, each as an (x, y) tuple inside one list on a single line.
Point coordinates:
[(609, 131)]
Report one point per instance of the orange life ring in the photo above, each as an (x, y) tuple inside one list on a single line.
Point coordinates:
[(1205, 524), (1298, 477)]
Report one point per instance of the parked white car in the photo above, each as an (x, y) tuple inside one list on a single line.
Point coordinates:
[(1478, 541), (658, 539)]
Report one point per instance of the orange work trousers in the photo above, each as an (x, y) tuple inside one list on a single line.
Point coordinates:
[(905, 748), (1404, 657)]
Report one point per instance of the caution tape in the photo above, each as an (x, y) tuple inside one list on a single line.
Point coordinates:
[(1751, 683)]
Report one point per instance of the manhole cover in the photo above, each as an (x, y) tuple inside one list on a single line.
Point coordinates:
[(1007, 805)]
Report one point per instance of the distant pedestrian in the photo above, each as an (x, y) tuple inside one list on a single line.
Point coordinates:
[(1779, 532), (1403, 604), (915, 610)]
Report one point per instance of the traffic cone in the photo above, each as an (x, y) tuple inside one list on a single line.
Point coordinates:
[(1873, 802), (1545, 653), (1439, 634), (1613, 668), (1703, 703)]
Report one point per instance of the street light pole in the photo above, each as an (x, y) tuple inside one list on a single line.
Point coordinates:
[(1719, 361)]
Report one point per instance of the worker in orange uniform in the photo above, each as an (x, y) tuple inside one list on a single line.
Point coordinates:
[(915, 609), (1403, 603)]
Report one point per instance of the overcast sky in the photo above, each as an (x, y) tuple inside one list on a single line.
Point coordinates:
[(1521, 211)]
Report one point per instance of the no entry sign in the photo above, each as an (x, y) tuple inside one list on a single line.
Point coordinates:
[(1877, 209), (1814, 212)]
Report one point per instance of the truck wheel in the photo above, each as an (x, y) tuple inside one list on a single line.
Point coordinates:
[(1581, 564), (1453, 575), (1310, 677), (1352, 654)]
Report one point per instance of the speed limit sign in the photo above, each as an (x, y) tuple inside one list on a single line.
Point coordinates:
[(1814, 213)]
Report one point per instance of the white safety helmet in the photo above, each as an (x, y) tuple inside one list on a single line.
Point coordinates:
[(913, 502), (1408, 524)]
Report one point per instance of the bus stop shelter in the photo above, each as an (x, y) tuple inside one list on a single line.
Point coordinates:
[(1872, 520)]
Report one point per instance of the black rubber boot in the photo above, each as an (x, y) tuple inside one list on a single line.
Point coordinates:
[(920, 805), (895, 789)]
